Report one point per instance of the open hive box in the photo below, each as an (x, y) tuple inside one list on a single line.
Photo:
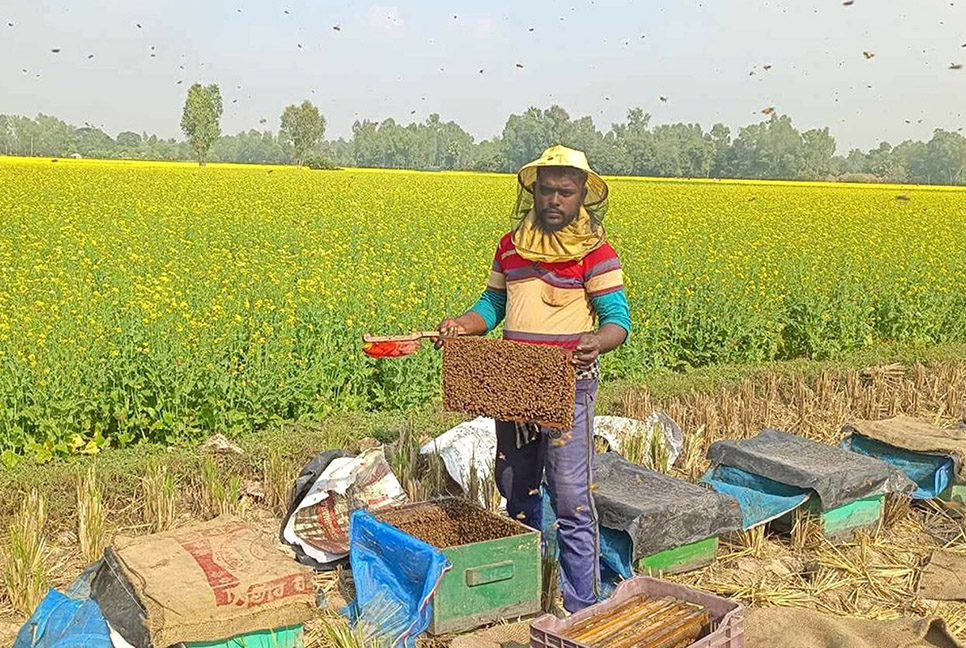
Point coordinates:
[(495, 562), (647, 613)]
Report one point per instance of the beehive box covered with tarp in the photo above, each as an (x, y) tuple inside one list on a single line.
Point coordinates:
[(931, 456), (652, 521), (776, 472)]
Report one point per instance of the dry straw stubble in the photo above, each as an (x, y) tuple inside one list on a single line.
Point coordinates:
[(90, 516), (278, 473), (25, 572), (160, 498)]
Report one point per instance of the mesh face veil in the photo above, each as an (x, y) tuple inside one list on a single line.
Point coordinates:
[(579, 237), (524, 204)]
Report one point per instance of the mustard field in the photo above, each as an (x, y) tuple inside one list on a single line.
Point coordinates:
[(163, 301)]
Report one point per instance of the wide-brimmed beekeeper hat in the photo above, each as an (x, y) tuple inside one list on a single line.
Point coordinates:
[(561, 156)]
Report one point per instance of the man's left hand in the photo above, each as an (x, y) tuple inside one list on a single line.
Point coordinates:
[(588, 348)]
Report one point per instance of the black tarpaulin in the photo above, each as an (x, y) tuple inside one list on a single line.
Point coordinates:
[(837, 476), (658, 512)]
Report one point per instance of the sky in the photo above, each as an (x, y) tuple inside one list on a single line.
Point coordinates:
[(127, 64)]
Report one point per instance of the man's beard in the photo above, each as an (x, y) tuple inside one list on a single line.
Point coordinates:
[(548, 228)]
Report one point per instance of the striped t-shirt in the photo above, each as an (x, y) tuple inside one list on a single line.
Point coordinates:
[(553, 303)]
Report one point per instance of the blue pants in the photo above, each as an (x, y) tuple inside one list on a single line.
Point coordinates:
[(567, 459)]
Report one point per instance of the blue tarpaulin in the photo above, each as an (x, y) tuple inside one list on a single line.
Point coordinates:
[(931, 472), (395, 577), (616, 547), (61, 621), (761, 499)]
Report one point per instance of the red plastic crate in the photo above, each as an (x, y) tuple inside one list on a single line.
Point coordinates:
[(727, 617)]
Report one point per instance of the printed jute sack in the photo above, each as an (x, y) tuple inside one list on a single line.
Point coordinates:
[(214, 580)]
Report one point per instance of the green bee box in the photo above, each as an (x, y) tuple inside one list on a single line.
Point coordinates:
[(955, 493), (289, 637), (842, 522), (678, 560), (490, 579)]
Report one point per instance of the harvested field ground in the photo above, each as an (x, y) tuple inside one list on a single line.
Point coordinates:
[(449, 524), (873, 576)]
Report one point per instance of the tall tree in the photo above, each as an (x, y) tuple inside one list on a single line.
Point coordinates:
[(303, 127), (454, 145), (635, 141), (906, 159), (721, 144), (526, 136), (52, 136), (945, 158), (128, 140), (488, 155), (818, 147), (769, 149), (91, 142), (7, 137), (365, 144), (199, 120)]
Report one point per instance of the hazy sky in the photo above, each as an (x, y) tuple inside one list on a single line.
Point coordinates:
[(390, 58)]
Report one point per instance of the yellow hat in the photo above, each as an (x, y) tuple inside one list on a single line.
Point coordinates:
[(561, 156)]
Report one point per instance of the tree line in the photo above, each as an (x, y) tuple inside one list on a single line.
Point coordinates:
[(771, 148)]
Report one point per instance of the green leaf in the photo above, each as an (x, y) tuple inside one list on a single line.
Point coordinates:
[(10, 459), (42, 454)]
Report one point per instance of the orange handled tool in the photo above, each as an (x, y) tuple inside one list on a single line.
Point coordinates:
[(394, 346)]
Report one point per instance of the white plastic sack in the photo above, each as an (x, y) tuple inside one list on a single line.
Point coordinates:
[(320, 523), (616, 430), (469, 443), (116, 639)]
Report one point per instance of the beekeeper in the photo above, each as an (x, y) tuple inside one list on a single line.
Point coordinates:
[(554, 275)]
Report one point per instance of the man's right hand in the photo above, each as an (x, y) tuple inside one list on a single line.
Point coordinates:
[(450, 327)]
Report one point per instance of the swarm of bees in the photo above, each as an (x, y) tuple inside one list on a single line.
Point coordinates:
[(509, 381), (867, 54)]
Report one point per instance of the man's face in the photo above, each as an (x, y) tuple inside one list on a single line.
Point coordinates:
[(557, 197)]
